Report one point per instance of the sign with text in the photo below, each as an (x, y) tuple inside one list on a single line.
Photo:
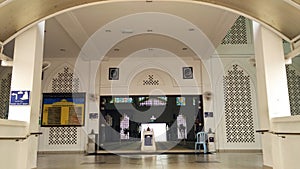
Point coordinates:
[(63, 109), (20, 97)]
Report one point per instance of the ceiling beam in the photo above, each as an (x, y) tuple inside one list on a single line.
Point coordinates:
[(279, 16), (295, 52), (293, 3), (4, 57), (72, 26), (4, 2)]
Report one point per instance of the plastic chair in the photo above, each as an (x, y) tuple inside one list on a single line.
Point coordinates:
[(201, 139)]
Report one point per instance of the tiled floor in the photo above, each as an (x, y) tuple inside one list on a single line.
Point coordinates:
[(163, 161)]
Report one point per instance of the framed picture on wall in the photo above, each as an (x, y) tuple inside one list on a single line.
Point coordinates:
[(63, 109), (187, 72), (113, 74)]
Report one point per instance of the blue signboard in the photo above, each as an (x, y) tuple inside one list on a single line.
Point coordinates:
[(19, 97)]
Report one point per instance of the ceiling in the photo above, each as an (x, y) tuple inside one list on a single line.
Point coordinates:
[(133, 29), (175, 26), (278, 15)]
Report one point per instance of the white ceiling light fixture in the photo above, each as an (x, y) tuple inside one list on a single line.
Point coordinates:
[(127, 31)]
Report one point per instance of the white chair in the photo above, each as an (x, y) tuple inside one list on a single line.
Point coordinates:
[(201, 140)]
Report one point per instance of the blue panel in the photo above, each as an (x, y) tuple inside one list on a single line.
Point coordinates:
[(19, 97)]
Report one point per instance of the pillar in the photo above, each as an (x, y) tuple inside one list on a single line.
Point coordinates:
[(272, 88), (26, 76)]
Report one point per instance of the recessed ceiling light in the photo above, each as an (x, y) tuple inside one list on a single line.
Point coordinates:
[(127, 31), (184, 48)]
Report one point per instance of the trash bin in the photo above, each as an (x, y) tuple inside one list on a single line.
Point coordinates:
[(211, 141), (91, 144)]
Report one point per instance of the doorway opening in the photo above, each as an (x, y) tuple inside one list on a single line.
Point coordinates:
[(175, 120)]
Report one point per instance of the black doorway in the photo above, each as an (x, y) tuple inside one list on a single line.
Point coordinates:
[(140, 109)]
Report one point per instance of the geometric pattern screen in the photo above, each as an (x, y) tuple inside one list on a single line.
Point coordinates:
[(64, 82), (239, 120), (150, 81), (293, 79), (5, 83), (62, 135), (237, 33)]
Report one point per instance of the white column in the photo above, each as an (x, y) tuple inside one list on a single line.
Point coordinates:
[(271, 72), (272, 89), (26, 76)]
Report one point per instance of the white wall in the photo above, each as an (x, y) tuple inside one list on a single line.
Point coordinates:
[(12, 150), (285, 149), (132, 72), (135, 68), (57, 66), (219, 105), (227, 56), (167, 68)]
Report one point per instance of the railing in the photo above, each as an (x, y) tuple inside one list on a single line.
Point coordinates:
[(21, 138), (279, 134), (262, 131)]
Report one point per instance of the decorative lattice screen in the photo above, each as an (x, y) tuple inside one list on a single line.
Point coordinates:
[(238, 107), (64, 82), (293, 79), (150, 81), (5, 82), (63, 135), (237, 34)]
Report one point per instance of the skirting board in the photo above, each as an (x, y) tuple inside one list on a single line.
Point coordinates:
[(267, 167), (61, 152), (239, 151)]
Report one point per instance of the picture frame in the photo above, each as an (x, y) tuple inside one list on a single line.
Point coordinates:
[(187, 72), (113, 74), (63, 109)]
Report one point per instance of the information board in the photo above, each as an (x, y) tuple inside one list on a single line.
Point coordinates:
[(63, 109)]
